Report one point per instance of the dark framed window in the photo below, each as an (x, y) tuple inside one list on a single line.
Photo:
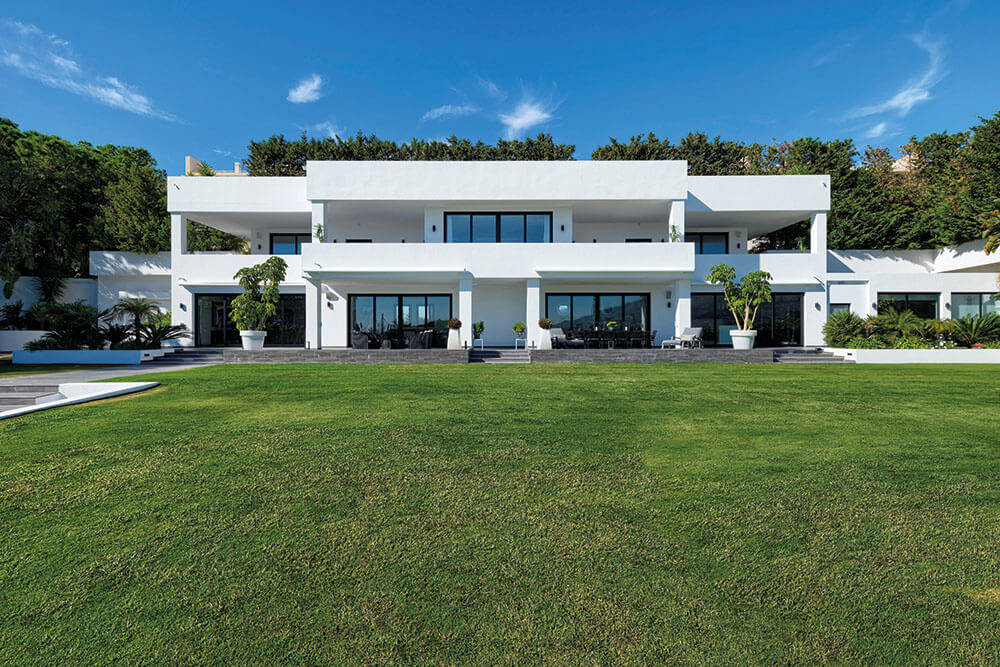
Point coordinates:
[(973, 303), (213, 326), (395, 317), (709, 243), (778, 323), (921, 304), (498, 227), (581, 312), (288, 244), (839, 308)]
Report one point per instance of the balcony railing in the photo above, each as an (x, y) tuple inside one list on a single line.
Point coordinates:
[(499, 260)]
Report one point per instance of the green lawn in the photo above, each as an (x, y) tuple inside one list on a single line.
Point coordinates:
[(592, 513)]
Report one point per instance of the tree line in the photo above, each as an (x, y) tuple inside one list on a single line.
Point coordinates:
[(59, 200)]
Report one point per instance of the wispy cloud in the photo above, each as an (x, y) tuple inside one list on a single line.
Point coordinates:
[(308, 90), (528, 113), (329, 128), (876, 131), (450, 111), (219, 151), (491, 89), (48, 59), (916, 91)]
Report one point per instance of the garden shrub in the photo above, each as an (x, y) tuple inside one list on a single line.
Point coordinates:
[(842, 327), (865, 343)]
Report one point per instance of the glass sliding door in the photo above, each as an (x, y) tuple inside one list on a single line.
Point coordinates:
[(214, 327), (585, 312), (396, 318), (488, 227), (778, 323)]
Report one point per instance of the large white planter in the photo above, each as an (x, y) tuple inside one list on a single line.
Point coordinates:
[(253, 340), (544, 339), (743, 338), (454, 339)]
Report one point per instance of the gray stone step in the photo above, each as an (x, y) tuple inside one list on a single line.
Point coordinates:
[(28, 388), (500, 357)]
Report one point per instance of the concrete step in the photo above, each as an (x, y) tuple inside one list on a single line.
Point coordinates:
[(500, 357), (808, 356), (21, 398), (28, 388)]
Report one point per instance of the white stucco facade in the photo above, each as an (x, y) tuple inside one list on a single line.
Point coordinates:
[(642, 231)]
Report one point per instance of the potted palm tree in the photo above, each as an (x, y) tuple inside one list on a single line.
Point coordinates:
[(743, 299), (454, 334), (259, 300)]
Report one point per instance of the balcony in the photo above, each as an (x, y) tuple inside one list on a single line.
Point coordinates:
[(499, 260), (219, 268), (794, 268)]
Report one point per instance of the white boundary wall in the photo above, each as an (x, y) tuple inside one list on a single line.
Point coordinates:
[(918, 356)]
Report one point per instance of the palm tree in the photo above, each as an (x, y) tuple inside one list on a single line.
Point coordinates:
[(138, 309)]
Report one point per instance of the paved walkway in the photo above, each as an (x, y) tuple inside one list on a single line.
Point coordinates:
[(105, 373)]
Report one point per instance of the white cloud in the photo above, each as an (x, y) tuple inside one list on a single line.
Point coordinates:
[(491, 88), (876, 131), (916, 91), (308, 90), (329, 129), (48, 59), (527, 114), (450, 111)]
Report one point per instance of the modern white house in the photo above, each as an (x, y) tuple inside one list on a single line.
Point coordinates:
[(397, 248)]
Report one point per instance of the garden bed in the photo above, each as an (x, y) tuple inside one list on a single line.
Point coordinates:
[(933, 356)]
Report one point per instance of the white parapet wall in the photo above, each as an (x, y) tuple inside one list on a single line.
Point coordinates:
[(98, 357), (964, 356)]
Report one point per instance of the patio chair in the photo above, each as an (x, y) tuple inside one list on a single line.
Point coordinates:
[(561, 339), (689, 338)]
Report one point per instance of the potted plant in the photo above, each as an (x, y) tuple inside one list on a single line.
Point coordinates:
[(454, 334), (477, 329), (519, 329), (545, 336), (743, 299), (258, 301)]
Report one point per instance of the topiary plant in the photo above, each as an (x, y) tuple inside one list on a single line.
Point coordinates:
[(519, 328), (545, 323), (454, 323)]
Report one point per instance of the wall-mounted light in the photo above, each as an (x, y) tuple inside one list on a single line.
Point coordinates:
[(670, 295), (562, 228), (434, 228), (260, 247), (594, 241), (183, 306)]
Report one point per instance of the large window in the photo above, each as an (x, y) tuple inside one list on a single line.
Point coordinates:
[(921, 304), (214, 327), (581, 312), (964, 304), (288, 244), (716, 243), (395, 317), (498, 227), (778, 323)]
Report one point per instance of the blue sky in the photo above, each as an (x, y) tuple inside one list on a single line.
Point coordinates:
[(205, 78)]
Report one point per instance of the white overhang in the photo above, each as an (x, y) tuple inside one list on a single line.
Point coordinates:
[(429, 181), (760, 204)]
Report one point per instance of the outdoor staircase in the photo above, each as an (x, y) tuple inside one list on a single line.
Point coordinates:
[(496, 356), (808, 355), (20, 395), (188, 356)]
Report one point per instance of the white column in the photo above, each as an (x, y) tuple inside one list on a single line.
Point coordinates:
[(181, 299), (318, 219), (675, 220), (682, 305), (817, 235), (465, 310), (532, 311), (178, 234), (314, 302)]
